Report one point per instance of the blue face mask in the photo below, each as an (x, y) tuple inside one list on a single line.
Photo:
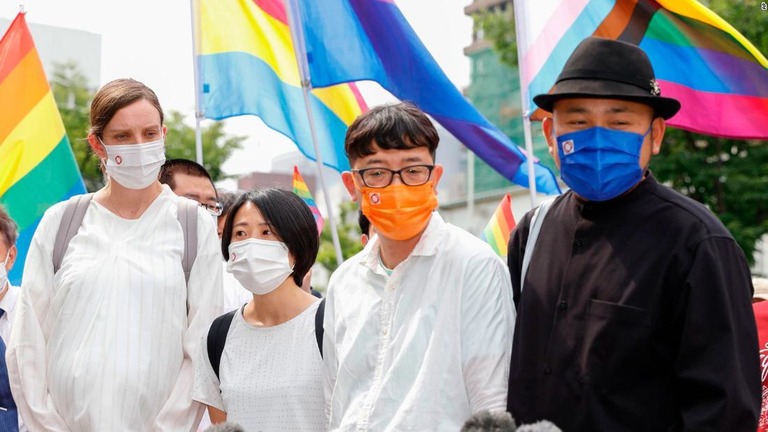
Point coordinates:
[(599, 164)]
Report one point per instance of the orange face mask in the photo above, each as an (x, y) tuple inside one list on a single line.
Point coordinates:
[(398, 211)]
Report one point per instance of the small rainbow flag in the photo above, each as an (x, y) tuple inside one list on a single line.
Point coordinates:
[(719, 77), (37, 167), (300, 188), (497, 232), (247, 66)]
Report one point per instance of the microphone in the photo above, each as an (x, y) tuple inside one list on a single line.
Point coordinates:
[(225, 427), (502, 421), (539, 426), (490, 421)]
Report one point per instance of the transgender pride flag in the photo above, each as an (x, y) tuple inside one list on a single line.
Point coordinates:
[(718, 76), (37, 167)]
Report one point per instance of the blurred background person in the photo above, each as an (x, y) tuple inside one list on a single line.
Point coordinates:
[(10, 420), (107, 343), (191, 180), (268, 375)]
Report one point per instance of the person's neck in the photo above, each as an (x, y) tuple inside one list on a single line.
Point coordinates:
[(127, 203), (281, 305), (393, 252)]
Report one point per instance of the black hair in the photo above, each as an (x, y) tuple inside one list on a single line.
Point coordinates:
[(399, 126), (365, 224), (289, 217), (172, 167), (227, 199)]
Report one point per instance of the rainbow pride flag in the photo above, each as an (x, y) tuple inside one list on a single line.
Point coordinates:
[(247, 66), (37, 167), (718, 76), (353, 40), (497, 232), (300, 188)]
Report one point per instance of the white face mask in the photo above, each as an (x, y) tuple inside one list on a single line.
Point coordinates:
[(135, 166), (4, 272), (259, 265)]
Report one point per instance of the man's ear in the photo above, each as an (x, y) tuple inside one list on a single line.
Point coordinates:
[(97, 146), (548, 128), (658, 127), (347, 177), (437, 173)]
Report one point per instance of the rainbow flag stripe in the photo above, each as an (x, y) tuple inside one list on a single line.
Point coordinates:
[(37, 167), (247, 66), (497, 232), (719, 77), (300, 188)]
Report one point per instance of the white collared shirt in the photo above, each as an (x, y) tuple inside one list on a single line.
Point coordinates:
[(425, 347)]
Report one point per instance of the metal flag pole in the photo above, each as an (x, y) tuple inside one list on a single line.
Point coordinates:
[(524, 97), (199, 114), (297, 37)]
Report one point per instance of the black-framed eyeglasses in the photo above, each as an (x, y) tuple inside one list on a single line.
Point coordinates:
[(213, 209), (414, 175)]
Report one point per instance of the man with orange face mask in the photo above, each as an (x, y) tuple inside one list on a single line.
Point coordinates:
[(418, 324)]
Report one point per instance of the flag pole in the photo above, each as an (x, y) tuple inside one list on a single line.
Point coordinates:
[(297, 37), (524, 97), (199, 114)]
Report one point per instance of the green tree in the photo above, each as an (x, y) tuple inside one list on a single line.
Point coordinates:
[(349, 236), (217, 146), (728, 176), (73, 97)]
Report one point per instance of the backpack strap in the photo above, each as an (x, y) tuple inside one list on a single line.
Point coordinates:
[(536, 221), (187, 215), (319, 316), (74, 213), (217, 336)]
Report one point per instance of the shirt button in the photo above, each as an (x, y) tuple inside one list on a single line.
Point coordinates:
[(547, 370), (563, 305)]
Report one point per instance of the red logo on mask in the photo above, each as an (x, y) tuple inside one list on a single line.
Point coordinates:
[(118, 159), (375, 198)]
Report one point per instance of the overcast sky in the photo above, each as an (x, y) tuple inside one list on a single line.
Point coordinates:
[(150, 40)]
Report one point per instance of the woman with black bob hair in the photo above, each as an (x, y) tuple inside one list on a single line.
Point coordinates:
[(268, 373)]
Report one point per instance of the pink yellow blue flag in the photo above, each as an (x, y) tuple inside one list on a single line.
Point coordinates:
[(497, 232), (300, 188)]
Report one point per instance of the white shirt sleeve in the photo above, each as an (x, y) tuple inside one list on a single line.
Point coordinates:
[(330, 358), (204, 302), (26, 354), (487, 327), (207, 386)]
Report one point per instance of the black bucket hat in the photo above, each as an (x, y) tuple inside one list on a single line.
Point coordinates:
[(607, 68)]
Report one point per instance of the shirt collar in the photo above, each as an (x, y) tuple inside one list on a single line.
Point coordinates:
[(428, 244)]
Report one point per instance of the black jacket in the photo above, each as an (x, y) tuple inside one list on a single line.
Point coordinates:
[(635, 315)]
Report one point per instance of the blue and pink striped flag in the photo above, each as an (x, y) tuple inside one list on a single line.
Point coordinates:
[(353, 40), (718, 76)]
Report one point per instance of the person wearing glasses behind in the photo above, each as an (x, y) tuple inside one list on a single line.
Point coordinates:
[(106, 343), (417, 324), (267, 372), (191, 180)]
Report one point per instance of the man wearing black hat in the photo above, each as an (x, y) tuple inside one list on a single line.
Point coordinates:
[(633, 303)]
